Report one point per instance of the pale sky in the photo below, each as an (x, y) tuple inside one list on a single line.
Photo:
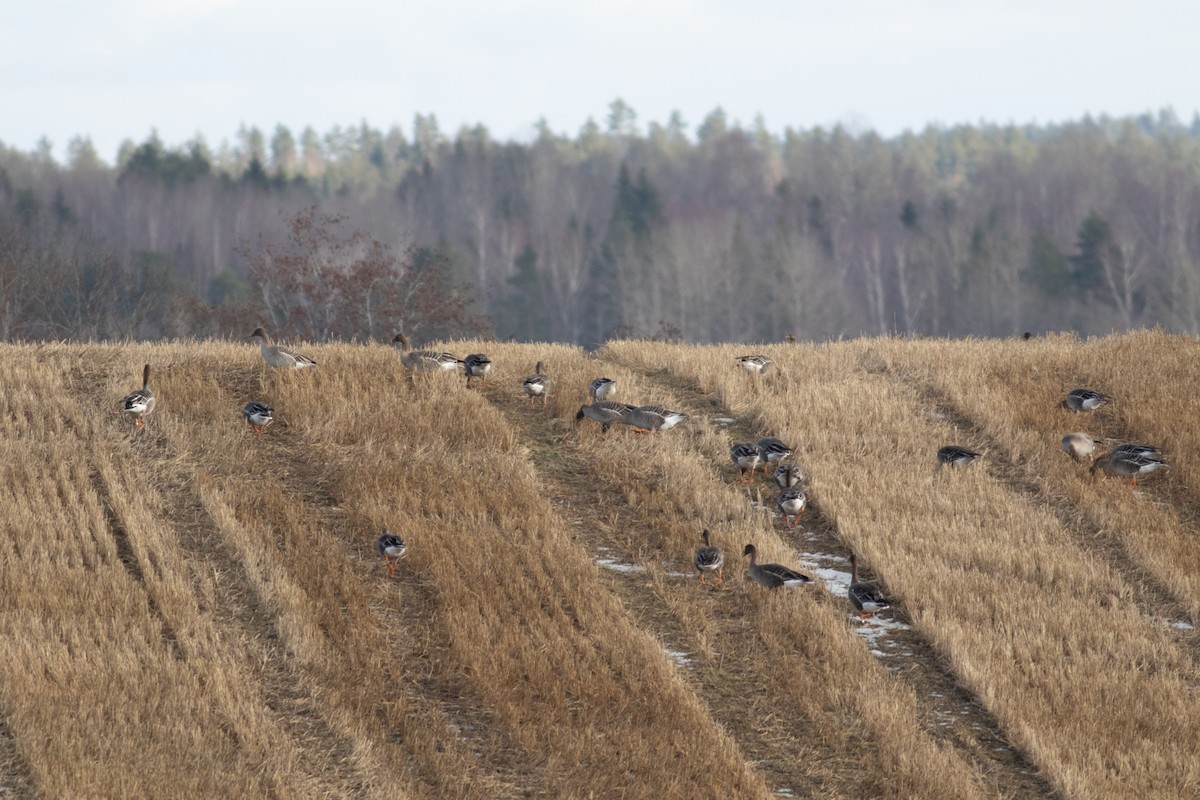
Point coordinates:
[(118, 69)]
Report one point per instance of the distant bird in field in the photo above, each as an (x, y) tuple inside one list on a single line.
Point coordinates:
[(258, 415), (710, 558), (787, 475), (476, 365), (1131, 463), (536, 385), (756, 364), (746, 458), (425, 360), (140, 403), (602, 388), (1079, 446), (771, 451), (606, 412), (867, 598), (1085, 400), (390, 546), (956, 456), (278, 356), (772, 576), (792, 502), (651, 418)]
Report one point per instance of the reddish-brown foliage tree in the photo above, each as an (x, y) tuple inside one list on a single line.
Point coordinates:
[(327, 283)]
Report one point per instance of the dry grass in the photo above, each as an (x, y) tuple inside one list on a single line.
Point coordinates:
[(196, 611)]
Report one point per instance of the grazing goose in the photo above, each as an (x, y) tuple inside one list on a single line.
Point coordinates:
[(1128, 464), (602, 388), (425, 360), (788, 475), (956, 456), (710, 558), (772, 451), (606, 412), (476, 365), (756, 365), (648, 419), (866, 597), (746, 458), (390, 546), (258, 415), (279, 356), (535, 385), (140, 403), (792, 503), (1084, 400), (1079, 446), (772, 576)]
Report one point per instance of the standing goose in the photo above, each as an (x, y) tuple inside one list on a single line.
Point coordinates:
[(651, 418), (602, 388), (772, 576), (425, 360), (606, 412), (1085, 400), (140, 403), (792, 503), (956, 456), (258, 415), (536, 385), (746, 458), (1128, 464), (476, 365), (772, 451), (867, 598), (710, 558), (787, 475), (278, 356), (756, 364), (1079, 446), (390, 546)]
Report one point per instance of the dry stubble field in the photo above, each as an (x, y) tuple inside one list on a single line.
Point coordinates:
[(194, 611)]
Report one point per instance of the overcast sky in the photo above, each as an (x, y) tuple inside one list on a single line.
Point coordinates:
[(116, 69)]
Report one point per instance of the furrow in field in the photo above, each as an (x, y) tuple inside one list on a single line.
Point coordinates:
[(949, 712)]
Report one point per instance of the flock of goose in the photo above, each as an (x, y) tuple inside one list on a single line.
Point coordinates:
[(1124, 459)]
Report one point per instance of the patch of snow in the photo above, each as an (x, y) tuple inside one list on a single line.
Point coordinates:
[(1177, 624), (724, 420), (618, 566), (679, 657)]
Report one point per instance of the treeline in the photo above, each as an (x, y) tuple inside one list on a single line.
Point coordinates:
[(724, 232)]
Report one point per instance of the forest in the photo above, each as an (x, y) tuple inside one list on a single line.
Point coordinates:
[(718, 231)]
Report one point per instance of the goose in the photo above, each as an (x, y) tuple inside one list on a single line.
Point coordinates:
[(476, 365), (140, 403), (606, 412), (757, 364), (710, 558), (792, 503), (425, 360), (1079, 446), (772, 451), (279, 356), (651, 418), (390, 546), (1084, 400), (535, 385), (1128, 465), (258, 415), (956, 456), (866, 597), (772, 576), (602, 388), (788, 475), (746, 458)]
